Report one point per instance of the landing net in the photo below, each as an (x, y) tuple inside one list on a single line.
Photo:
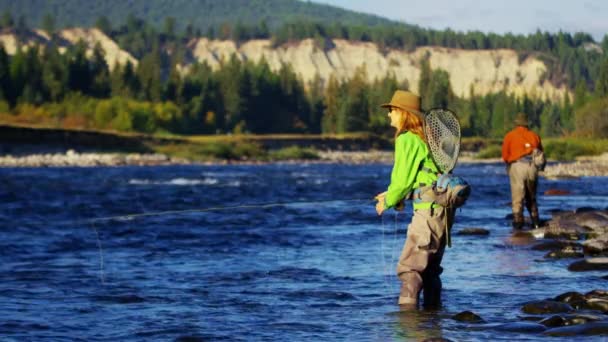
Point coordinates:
[(442, 131)]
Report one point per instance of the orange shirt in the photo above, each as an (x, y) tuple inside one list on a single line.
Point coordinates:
[(518, 143)]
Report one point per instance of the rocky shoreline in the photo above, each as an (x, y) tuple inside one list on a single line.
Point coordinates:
[(582, 167)]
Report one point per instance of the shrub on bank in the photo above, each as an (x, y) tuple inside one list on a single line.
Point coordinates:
[(560, 149), (214, 150), (492, 151), (570, 148), (293, 152)]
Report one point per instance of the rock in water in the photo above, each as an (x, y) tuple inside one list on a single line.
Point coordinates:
[(589, 264)]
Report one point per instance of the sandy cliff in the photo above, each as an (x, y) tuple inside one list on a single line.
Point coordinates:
[(486, 71), (91, 37)]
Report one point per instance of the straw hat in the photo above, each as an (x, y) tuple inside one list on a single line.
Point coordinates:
[(405, 100), (521, 119)]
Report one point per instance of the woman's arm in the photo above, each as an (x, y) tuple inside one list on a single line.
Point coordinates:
[(409, 153)]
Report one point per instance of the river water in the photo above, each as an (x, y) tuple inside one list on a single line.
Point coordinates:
[(257, 253)]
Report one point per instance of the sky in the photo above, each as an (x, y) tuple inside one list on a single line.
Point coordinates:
[(498, 16)]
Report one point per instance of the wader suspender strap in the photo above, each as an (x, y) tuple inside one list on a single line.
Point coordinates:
[(448, 231)]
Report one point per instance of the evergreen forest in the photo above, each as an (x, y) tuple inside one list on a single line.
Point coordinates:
[(73, 90)]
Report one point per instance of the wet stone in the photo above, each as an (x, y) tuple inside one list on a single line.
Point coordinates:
[(566, 252), (587, 329), (570, 297), (598, 304), (589, 264), (527, 327), (595, 220), (554, 245), (580, 319), (597, 294), (545, 307), (473, 231), (553, 321), (597, 245), (467, 316)]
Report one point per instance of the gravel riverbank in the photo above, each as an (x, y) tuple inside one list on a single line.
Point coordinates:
[(583, 166)]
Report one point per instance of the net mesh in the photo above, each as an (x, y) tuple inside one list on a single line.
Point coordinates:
[(442, 131)]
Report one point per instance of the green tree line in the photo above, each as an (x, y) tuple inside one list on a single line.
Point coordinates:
[(74, 90), (570, 58)]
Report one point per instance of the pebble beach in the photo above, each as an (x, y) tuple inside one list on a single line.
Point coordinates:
[(587, 166)]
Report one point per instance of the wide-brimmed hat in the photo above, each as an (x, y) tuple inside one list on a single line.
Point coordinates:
[(521, 119), (405, 100)]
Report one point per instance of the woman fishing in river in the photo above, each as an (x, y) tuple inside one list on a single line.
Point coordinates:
[(419, 265)]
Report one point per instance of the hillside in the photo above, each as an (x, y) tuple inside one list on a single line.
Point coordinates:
[(483, 71), (201, 14)]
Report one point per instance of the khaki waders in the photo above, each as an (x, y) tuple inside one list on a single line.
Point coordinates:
[(419, 265), (523, 177)]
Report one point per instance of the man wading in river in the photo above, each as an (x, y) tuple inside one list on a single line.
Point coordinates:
[(519, 150)]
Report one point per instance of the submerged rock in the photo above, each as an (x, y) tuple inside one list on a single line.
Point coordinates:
[(586, 329), (566, 252), (527, 327), (553, 321), (467, 316), (570, 297), (598, 304), (554, 245), (473, 231), (597, 294), (581, 222), (566, 320), (546, 306), (589, 264), (597, 245)]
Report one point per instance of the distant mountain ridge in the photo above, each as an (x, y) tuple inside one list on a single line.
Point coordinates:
[(201, 14)]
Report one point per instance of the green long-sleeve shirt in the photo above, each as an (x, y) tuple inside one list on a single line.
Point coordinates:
[(408, 174)]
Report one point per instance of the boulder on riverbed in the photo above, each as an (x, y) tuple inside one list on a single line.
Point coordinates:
[(589, 264)]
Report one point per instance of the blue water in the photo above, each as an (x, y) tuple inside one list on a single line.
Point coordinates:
[(319, 267)]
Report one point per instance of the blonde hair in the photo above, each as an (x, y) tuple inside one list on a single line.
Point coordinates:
[(411, 122)]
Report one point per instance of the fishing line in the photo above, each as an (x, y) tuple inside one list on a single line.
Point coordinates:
[(92, 222), (100, 251), (389, 284), (395, 257), (129, 217)]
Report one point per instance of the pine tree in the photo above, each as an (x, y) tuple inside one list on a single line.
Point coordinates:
[(332, 106), (5, 75), (424, 84), (580, 95), (438, 92), (54, 74), (601, 85), (148, 74), (79, 74), (100, 74)]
